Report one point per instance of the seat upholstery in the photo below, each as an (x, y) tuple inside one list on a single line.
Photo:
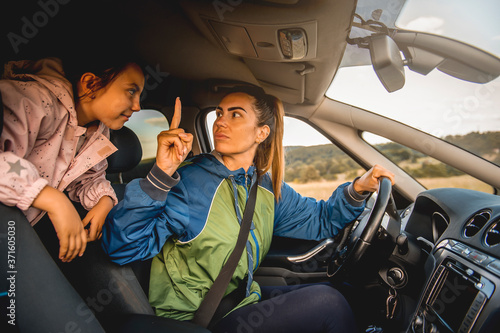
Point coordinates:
[(127, 157), (129, 152), (44, 299)]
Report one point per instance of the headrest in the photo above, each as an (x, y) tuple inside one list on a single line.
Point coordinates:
[(129, 152)]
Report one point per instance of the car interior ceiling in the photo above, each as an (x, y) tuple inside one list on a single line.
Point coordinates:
[(179, 38)]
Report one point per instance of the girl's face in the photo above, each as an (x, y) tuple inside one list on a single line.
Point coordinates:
[(114, 104), (235, 129)]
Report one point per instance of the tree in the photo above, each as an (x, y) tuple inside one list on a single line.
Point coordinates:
[(308, 174)]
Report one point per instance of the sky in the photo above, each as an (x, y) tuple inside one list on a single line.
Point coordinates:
[(475, 21)]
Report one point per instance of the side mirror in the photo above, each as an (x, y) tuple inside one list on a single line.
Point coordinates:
[(387, 62)]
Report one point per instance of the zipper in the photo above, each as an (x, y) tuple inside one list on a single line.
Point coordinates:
[(246, 186)]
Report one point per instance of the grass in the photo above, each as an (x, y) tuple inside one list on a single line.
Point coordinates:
[(318, 190)]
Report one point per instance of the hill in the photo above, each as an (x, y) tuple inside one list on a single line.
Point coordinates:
[(327, 162)]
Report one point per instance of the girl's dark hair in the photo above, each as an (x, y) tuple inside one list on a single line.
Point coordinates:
[(270, 152), (105, 68)]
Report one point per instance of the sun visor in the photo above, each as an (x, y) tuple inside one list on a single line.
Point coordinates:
[(283, 80)]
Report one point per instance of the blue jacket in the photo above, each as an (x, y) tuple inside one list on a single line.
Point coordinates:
[(190, 223)]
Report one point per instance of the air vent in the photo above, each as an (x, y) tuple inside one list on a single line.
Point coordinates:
[(475, 223), (492, 236), (439, 225)]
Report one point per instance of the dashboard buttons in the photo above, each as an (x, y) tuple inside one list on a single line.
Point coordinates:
[(495, 266), (477, 257)]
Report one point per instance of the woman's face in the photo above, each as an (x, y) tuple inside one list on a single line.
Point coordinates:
[(235, 128), (114, 104)]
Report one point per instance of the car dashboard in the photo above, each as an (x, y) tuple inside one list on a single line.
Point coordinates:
[(460, 231)]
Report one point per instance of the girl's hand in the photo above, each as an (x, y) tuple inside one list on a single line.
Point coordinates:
[(95, 218), (369, 181), (66, 221), (174, 144)]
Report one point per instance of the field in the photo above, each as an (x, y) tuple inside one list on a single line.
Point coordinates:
[(323, 189)]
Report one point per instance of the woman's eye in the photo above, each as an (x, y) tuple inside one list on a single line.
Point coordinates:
[(132, 91), (236, 115)]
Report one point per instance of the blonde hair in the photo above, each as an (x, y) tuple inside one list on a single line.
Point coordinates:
[(270, 152)]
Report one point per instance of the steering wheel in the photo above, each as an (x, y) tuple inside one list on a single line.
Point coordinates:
[(361, 238)]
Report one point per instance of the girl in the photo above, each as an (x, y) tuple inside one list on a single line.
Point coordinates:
[(55, 139), (188, 218)]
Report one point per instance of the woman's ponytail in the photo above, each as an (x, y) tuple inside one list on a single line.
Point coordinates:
[(278, 156), (270, 154)]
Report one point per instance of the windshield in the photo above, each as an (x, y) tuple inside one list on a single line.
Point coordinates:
[(472, 22), (439, 104)]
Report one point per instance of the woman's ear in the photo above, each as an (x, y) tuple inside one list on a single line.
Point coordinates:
[(263, 133)]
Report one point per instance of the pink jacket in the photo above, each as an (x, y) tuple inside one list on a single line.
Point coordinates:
[(40, 138)]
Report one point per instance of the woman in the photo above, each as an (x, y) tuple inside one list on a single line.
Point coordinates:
[(55, 139), (188, 218)]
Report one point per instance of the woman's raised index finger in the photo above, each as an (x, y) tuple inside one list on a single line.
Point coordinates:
[(176, 119)]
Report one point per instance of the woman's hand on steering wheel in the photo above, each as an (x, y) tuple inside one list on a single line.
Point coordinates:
[(376, 179), (370, 180)]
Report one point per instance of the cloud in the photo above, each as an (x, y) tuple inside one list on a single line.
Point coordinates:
[(158, 122), (496, 37), (429, 24)]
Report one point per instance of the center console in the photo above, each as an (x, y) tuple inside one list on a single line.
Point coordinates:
[(460, 294)]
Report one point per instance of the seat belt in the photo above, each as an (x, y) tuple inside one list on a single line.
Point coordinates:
[(209, 305)]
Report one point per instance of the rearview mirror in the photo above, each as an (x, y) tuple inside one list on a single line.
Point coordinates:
[(424, 52), (392, 49), (387, 62)]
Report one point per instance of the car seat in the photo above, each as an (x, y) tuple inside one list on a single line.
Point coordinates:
[(128, 309), (41, 298), (127, 157)]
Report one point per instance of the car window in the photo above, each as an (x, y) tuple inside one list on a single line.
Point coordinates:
[(428, 171), (463, 113), (314, 166), (146, 124), (470, 23)]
